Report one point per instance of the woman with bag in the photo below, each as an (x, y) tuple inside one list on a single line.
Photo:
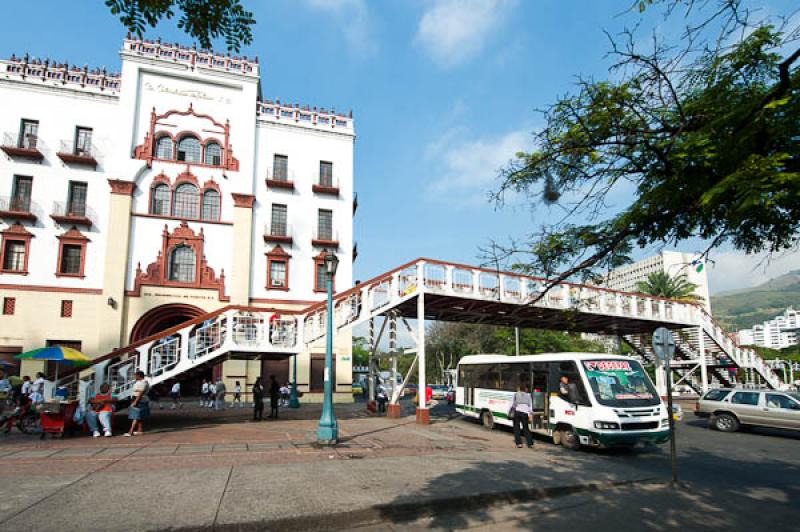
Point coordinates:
[(521, 412), (139, 408)]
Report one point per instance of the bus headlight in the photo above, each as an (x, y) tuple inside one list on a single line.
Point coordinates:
[(606, 425), (665, 423)]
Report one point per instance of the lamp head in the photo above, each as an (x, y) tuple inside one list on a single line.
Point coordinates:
[(331, 263)]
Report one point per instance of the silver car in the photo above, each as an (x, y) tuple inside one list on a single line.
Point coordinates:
[(727, 409)]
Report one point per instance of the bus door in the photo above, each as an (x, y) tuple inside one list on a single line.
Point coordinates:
[(538, 387), (466, 379)]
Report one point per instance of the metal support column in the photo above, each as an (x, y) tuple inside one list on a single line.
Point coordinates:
[(294, 402), (423, 415), (701, 343)]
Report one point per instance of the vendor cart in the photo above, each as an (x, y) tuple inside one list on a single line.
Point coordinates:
[(57, 417)]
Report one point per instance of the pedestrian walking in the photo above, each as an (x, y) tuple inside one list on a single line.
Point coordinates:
[(382, 398), (274, 397), (285, 392), (521, 412), (212, 394), (258, 400), (219, 390), (37, 389), (26, 386), (139, 409), (204, 393), (175, 394), (237, 395)]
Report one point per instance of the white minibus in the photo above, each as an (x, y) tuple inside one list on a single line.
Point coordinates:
[(609, 400)]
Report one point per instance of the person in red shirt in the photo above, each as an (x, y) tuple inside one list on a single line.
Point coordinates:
[(100, 410), (428, 394)]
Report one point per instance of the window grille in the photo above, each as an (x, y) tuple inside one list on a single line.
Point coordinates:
[(164, 148), (279, 217), (21, 195), (71, 259), (29, 134), (185, 201), (277, 273), (210, 205), (160, 200), (325, 224), (182, 264), (322, 277), (66, 308), (76, 199), (326, 174), (280, 168), (189, 150), (213, 154), (9, 305), (14, 256), (83, 141)]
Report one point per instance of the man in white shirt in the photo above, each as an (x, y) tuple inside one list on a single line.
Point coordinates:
[(37, 389), (204, 393), (175, 393)]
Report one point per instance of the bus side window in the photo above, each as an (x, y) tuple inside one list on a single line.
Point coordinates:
[(569, 369)]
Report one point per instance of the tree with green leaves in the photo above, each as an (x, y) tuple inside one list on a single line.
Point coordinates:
[(676, 287), (703, 136), (204, 20)]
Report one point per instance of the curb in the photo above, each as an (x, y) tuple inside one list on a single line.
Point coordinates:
[(410, 511)]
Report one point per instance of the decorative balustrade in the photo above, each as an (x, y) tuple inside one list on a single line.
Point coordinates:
[(311, 117), (63, 74), (191, 56)]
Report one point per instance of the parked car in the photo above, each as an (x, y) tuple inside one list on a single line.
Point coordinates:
[(728, 409), (438, 391), (451, 396)]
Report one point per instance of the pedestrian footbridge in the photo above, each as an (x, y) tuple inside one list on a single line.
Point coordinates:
[(435, 290)]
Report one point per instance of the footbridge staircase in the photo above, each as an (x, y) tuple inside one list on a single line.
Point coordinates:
[(427, 289)]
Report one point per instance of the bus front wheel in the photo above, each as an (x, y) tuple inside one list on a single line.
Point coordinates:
[(569, 438), (487, 419)]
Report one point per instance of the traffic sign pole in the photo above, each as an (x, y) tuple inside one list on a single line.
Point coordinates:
[(664, 348)]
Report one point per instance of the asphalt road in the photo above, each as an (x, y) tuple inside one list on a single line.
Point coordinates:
[(748, 480)]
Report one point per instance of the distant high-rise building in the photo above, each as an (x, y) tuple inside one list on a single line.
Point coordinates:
[(626, 278), (776, 333)]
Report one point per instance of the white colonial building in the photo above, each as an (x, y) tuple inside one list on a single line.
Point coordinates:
[(132, 202), (777, 333)]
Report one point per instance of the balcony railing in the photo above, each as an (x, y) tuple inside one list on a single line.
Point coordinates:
[(71, 153), (24, 146), (327, 186), (280, 233), (283, 180), (75, 213), (325, 238), (17, 208)]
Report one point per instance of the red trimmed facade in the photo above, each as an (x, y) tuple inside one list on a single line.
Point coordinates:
[(146, 150), (184, 177), (243, 200), (75, 238), (277, 254), (119, 186), (15, 233), (157, 273)]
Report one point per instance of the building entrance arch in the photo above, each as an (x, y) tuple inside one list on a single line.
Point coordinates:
[(163, 317)]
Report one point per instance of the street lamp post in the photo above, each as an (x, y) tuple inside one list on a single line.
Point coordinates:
[(328, 430), (293, 401)]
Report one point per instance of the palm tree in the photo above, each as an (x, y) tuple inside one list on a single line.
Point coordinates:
[(661, 284)]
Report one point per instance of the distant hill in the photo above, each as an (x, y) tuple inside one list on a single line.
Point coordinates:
[(741, 309)]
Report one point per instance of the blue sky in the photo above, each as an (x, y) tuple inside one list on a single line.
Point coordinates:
[(443, 93)]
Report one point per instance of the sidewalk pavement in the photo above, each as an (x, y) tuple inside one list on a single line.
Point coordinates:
[(222, 472)]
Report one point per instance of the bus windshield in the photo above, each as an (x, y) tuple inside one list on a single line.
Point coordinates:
[(620, 383)]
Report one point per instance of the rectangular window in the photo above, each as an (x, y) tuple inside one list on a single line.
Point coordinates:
[(280, 168), (28, 134), (14, 256), (70, 259), (279, 216), (76, 199), (325, 225), (9, 305), (277, 274), (745, 398), (21, 193), (66, 308), (321, 276), (326, 174), (83, 141)]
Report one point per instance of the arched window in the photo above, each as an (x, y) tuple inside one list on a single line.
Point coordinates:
[(189, 150), (164, 148), (185, 201), (182, 264), (213, 154), (210, 210), (160, 200)]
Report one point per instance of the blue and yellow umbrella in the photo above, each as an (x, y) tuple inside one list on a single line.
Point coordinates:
[(58, 354)]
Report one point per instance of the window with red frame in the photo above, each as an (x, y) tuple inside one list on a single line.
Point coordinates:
[(66, 308), (9, 305)]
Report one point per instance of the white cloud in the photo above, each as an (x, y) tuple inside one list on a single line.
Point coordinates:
[(467, 168), (353, 20), (732, 270), (452, 31)]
